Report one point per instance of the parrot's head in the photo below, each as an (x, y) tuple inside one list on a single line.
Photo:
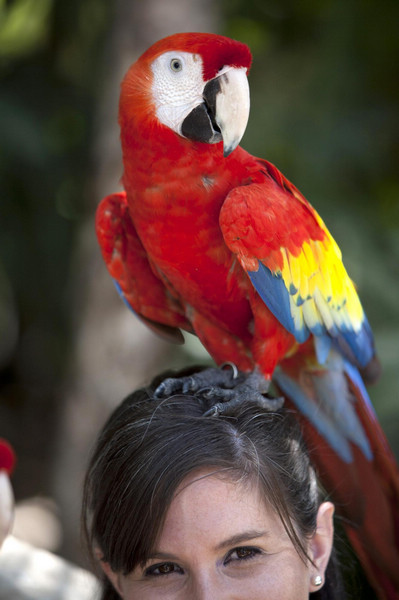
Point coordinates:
[(194, 84)]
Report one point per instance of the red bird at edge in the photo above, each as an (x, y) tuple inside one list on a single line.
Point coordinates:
[(7, 464), (209, 239)]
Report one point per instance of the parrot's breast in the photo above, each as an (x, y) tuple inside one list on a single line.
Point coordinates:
[(177, 221)]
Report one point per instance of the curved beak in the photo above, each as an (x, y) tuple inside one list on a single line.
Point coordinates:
[(232, 107), (224, 113)]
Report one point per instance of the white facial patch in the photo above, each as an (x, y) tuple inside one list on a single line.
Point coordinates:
[(177, 87)]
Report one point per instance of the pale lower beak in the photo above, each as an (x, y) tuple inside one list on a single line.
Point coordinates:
[(232, 107)]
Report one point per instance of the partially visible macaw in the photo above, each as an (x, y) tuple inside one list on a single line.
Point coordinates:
[(7, 463), (212, 240)]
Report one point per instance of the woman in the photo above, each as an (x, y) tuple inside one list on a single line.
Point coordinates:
[(178, 505)]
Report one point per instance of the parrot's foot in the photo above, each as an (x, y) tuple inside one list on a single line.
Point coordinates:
[(252, 389), (227, 376), (227, 388)]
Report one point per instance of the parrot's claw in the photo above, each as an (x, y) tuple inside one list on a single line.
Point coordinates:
[(225, 388), (230, 399), (208, 378)]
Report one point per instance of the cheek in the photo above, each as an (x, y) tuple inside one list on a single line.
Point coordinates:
[(168, 588), (281, 580)]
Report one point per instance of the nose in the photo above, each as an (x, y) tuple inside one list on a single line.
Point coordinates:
[(209, 586)]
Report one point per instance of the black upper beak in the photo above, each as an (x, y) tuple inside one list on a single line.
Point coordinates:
[(200, 124), (223, 114)]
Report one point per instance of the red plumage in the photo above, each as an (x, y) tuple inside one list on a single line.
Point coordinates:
[(7, 456)]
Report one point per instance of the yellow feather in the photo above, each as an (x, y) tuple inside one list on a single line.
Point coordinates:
[(291, 270), (311, 314), (324, 309), (325, 280), (303, 270), (310, 258), (297, 314), (295, 271), (337, 284), (317, 271)]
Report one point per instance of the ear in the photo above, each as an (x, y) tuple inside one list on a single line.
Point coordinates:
[(321, 545), (109, 573)]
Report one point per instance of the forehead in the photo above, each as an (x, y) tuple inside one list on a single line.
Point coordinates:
[(209, 507), (215, 51)]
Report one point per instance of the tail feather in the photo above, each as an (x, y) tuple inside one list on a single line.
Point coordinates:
[(320, 420), (353, 458), (322, 394)]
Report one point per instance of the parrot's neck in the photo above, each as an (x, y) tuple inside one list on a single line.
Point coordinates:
[(163, 171)]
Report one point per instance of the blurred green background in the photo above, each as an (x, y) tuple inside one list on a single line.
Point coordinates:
[(325, 98)]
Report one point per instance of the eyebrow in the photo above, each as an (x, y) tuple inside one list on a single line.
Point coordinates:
[(239, 538), (161, 555), (234, 540)]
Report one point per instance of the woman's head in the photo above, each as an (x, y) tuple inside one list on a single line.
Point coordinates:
[(152, 453)]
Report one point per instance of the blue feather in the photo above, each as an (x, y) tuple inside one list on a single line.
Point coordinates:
[(357, 346), (322, 346), (333, 413), (356, 378), (361, 343), (304, 404), (271, 288)]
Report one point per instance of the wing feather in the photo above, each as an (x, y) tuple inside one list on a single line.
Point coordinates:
[(296, 267)]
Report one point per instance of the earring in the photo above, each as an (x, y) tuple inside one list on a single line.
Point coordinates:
[(317, 580)]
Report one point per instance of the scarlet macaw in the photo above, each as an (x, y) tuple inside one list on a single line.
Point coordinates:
[(212, 240)]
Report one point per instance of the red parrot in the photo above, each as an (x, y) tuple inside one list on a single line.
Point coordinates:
[(209, 239)]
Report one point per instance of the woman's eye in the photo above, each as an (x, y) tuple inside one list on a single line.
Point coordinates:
[(176, 64), (163, 569), (242, 553)]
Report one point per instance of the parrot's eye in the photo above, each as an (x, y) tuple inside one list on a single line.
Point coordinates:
[(176, 64)]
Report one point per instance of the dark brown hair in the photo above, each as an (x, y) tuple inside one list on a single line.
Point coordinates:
[(148, 446)]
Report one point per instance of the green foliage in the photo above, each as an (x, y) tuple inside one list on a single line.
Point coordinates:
[(49, 69), (23, 26)]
